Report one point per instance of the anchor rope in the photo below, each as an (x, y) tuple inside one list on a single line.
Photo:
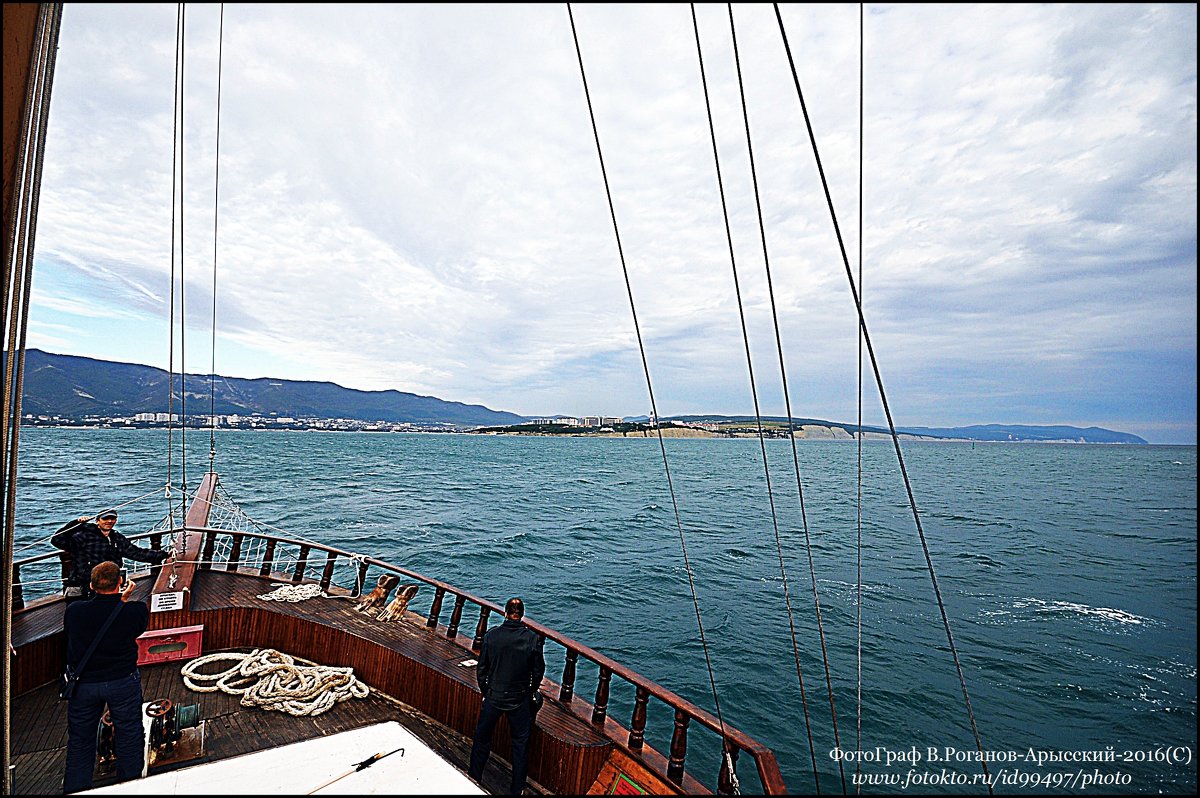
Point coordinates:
[(646, 370), (883, 400), (791, 435), (272, 680)]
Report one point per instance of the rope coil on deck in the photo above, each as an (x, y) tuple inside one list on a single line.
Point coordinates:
[(284, 592), (272, 680)]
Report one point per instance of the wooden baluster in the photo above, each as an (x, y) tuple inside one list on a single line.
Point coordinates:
[(235, 553), (155, 543), (600, 706), (210, 543), (268, 558), (455, 617), (637, 727), (436, 609), (678, 748), (568, 680), (482, 628), (18, 596), (327, 574), (726, 775), (362, 577), (301, 563)]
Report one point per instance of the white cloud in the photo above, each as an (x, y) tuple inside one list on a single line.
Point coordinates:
[(410, 197)]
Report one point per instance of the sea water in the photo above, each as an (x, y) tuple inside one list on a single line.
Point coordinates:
[(1067, 572)]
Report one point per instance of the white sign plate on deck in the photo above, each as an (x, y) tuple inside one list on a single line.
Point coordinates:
[(164, 602), (300, 767)]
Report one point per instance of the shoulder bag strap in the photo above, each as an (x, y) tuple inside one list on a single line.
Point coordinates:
[(96, 641)]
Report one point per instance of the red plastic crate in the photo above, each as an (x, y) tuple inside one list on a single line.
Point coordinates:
[(166, 645)]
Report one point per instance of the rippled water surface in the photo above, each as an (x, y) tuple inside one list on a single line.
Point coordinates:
[(1068, 574)]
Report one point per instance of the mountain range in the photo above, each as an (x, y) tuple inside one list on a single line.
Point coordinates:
[(74, 387), (70, 386)]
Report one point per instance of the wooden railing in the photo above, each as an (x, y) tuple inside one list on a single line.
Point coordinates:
[(271, 556)]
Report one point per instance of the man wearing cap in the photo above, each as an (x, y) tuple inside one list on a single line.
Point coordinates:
[(93, 543)]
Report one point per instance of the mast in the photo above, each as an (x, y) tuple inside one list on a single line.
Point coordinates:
[(30, 47)]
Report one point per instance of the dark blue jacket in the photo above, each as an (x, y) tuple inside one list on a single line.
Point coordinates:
[(117, 653), (510, 665)]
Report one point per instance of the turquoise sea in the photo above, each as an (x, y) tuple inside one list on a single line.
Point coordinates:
[(1068, 574)]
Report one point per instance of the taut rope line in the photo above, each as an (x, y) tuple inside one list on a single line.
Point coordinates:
[(646, 370), (883, 399), (791, 426), (750, 369), (858, 571), (212, 402)]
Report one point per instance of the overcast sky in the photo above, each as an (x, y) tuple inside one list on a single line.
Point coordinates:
[(410, 198)]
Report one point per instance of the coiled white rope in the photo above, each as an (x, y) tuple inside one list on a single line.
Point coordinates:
[(272, 680), (285, 592)]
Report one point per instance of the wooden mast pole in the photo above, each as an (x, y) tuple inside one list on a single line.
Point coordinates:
[(29, 49)]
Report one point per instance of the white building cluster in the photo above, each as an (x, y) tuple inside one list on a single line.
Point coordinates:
[(582, 421)]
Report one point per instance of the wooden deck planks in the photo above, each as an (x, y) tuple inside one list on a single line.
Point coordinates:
[(39, 751), (228, 606)]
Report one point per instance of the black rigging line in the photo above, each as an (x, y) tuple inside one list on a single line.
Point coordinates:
[(753, 390), (646, 369), (182, 280), (883, 398), (212, 402), (171, 315), (858, 572), (791, 426)]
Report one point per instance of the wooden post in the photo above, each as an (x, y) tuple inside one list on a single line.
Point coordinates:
[(362, 577), (678, 748), (726, 775), (327, 574), (600, 706), (18, 597), (568, 680), (210, 544), (436, 609), (456, 616), (268, 558), (637, 727), (235, 553), (301, 562), (482, 628)]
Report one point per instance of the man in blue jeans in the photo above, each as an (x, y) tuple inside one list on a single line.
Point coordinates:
[(110, 677), (509, 673)]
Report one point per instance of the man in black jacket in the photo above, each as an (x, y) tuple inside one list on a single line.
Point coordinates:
[(93, 543), (109, 677), (509, 673)]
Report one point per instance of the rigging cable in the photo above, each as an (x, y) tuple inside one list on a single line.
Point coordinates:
[(171, 313), (646, 370), (182, 280), (212, 403), (750, 368), (791, 429), (883, 399), (858, 572)]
